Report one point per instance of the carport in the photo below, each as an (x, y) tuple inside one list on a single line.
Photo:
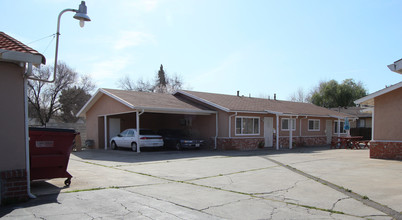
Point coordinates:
[(109, 112)]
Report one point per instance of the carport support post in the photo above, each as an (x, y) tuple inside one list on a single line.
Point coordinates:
[(105, 122), (138, 130), (339, 127)]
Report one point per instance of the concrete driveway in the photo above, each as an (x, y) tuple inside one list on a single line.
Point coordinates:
[(304, 183)]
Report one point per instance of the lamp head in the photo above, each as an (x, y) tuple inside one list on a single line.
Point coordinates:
[(81, 14)]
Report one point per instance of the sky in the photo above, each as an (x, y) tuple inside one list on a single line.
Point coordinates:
[(259, 47)]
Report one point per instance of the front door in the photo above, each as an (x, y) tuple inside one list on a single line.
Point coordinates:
[(268, 131), (114, 127), (328, 131)]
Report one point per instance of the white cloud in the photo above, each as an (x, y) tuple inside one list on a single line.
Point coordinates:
[(133, 38), (106, 73)]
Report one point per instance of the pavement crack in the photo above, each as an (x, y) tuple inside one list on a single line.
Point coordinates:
[(273, 212), (336, 202), (373, 204), (159, 199), (280, 190), (224, 204)]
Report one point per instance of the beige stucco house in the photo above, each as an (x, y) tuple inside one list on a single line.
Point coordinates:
[(227, 121), (16, 60), (386, 108)]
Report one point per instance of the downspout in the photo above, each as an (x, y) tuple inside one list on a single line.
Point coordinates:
[(138, 129), (27, 160), (230, 124), (216, 130)]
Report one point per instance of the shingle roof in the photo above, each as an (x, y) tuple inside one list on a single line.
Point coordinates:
[(355, 111), (251, 104), (9, 43), (151, 100)]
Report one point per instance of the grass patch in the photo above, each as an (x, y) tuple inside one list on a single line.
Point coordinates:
[(85, 190), (366, 197)]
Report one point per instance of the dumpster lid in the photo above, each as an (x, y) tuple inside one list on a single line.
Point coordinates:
[(51, 129)]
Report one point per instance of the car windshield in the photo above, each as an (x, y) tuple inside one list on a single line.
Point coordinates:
[(146, 132)]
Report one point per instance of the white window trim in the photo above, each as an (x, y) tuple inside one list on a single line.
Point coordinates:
[(259, 126), (294, 124), (336, 127), (319, 125)]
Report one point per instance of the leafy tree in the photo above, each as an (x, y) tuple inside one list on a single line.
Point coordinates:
[(331, 94), (44, 97), (71, 101), (162, 84)]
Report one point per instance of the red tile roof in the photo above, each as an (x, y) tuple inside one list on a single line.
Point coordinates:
[(9, 43)]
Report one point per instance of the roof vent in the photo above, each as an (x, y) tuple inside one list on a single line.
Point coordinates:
[(238, 93), (274, 96)]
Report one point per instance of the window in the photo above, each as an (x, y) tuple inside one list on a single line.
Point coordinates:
[(362, 123), (342, 127), (285, 122), (247, 125), (313, 124), (130, 133)]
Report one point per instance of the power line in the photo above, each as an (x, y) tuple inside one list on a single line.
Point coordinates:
[(42, 39)]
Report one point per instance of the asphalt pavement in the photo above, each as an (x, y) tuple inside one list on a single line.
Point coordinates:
[(303, 183)]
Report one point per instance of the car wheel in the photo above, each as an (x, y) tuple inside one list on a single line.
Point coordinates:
[(113, 145), (178, 146), (134, 147)]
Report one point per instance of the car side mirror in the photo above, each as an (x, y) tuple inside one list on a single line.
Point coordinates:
[(119, 135)]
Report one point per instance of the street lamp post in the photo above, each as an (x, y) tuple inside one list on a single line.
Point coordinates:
[(81, 15)]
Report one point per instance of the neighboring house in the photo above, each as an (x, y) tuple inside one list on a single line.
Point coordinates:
[(386, 108), (16, 60), (362, 125), (229, 122)]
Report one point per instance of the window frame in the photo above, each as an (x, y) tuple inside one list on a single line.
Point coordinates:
[(314, 129), (294, 124), (341, 126), (242, 129)]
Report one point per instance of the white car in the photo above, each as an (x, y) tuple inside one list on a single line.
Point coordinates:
[(128, 139)]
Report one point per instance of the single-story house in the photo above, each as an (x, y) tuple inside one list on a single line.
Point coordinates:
[(227, 121), (16, 60), (386, 108), (362, 125)]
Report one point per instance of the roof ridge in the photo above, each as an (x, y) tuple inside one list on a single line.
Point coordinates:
[(259, 98)]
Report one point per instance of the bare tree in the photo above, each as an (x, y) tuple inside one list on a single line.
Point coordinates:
[(174, 83), (162, 84), (299, 96), (126, 83), (43, 97)]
